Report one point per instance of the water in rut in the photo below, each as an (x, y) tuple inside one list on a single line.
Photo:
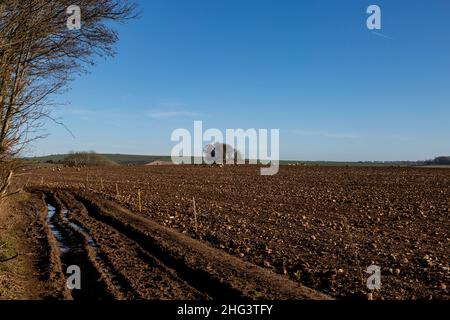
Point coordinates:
[(74, 253)]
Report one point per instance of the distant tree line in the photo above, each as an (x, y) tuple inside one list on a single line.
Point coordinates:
[(444, 160)]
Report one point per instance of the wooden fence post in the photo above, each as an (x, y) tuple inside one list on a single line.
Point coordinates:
[(195, 215), (140, 200)]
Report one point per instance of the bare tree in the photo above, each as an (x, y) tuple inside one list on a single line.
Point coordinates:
[(220, 153), (39, 56)]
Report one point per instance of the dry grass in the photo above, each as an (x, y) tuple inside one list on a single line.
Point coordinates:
[(12, 272)]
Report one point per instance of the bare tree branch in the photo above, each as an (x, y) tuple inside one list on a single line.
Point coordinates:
[(39, 56)]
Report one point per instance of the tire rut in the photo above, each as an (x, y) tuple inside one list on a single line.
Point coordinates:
[(72, 248), (125, 256), (141, 275)]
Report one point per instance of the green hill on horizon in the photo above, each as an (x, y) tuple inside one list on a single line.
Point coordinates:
[(122, 159)]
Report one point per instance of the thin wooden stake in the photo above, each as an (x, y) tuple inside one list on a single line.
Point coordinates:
[(117, 190), (195, 216), (101, 182), (140, 202)]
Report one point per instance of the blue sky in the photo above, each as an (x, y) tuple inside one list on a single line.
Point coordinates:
[(336, 90)]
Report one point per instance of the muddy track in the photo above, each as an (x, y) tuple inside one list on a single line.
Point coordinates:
[(125, 256), (71, 246)]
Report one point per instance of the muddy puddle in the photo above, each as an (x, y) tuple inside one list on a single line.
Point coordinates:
[(73, 250), (67, 244), (74, 253), (92, 243)]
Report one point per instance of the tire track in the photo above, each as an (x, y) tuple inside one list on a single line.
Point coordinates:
[(73, 248), (141, 275), (129, 257)]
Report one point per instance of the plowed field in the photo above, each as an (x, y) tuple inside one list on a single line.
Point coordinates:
[(305, 232)]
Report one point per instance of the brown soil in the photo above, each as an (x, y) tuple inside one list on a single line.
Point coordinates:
[(319, 227)]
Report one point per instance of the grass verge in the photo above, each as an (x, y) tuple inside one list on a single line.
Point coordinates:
[(13, 268)]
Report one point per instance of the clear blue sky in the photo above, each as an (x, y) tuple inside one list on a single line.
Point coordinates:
[(336, 90)]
